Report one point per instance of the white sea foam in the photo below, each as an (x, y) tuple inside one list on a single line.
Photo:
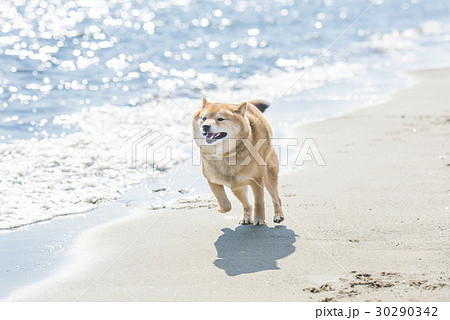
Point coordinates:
[(49, 177), (408, 39), (280, 82)]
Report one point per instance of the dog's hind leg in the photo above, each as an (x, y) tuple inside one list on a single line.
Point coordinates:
[(271, 182), (241, 194), (259, 215), (221, 196)]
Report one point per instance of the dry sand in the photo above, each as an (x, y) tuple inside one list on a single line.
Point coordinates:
[(370, 225)]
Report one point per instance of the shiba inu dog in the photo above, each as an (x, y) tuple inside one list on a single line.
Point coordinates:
[(237, 152)]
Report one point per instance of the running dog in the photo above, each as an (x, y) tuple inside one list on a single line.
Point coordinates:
[(237, 152)]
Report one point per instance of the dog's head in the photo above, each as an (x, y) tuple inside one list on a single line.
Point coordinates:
[(219, 123)]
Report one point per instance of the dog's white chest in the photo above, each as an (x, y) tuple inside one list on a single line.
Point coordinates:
[(220, 172)]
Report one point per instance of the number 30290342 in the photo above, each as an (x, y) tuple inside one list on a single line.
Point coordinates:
[(406, 311)]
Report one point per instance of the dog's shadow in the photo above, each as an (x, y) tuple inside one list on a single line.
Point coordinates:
[(249, 249)]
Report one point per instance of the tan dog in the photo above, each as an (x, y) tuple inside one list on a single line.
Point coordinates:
[(236, 151)]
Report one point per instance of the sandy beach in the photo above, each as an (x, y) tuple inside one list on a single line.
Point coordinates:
[(370, 225)]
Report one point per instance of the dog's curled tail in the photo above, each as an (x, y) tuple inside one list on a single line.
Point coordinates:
[(260, 104)]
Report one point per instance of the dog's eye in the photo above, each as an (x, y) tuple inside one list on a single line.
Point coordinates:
[(220, 119), (204, 119)]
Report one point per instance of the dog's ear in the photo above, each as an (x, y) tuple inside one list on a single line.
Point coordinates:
[(241, 109), (204, 103)]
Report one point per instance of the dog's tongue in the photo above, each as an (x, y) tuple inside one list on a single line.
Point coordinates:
[(210, 135)]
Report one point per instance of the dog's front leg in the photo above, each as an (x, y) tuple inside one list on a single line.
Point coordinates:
[(259, 214), (241, 194), (221, 196)]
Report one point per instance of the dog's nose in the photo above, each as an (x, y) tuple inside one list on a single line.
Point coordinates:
[(206, 127)]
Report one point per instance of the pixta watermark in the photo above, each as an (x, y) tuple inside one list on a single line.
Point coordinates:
[(149, 151)]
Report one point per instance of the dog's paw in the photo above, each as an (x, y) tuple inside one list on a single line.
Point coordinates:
[(259, 222), (224, 207), (278, 219), (245, 220)]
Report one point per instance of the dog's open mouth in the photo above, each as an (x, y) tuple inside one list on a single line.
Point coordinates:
[(211, 136)]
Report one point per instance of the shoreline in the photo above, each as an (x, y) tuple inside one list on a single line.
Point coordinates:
[(329, 276)]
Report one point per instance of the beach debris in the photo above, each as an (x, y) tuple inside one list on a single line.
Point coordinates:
[(367, 280), (322, 288), (328, 299), (92, 200)]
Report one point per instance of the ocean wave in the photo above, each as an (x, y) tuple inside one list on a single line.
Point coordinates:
[(45, 178), (408, 39)]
